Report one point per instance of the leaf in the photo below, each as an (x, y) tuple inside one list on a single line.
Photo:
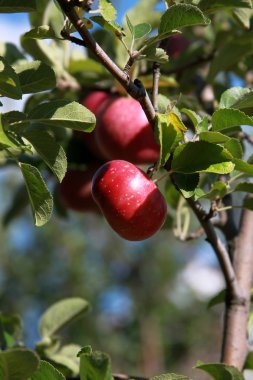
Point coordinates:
[(47, 372), (218, 190), (243, 17), (60, 314), (213, 137), (94, 365), (217, 299), (67, 356), (233, 95), (10, 52), (41, 33), (107, 10), (49, 149), (154, 54), (217, 5), (4, 139), (130, 25), (234, 147), (220, 371), (170, 376), (245, 187), (15, 6), (243, 166), (189, 158), (35, 76), (193, 116), (248, 203), (141, 30), (10, 329), (111, 26), (62, 113), (18, 364), (9, 81), (187, 183), (181, 15), (229, 117), (40, 198), (19, 202)]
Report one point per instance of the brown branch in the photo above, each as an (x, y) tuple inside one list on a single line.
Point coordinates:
[(120, 75), (235, 347), (156, 76)]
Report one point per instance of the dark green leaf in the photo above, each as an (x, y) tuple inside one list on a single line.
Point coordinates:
[(47, 372), (189, 158), (50, 151), (41, 33), (60, 314), (193, 116), (15, 6), (216, 5), (172, 195), (9, 81), (35, 76), (40, 198), (229, 117), (248, 203), (19, 202), (181, 15), (18, 364), (94, 365), (187, 183), (5, 141), (220, 371), (244, 186), (217, 299), (10, 52)]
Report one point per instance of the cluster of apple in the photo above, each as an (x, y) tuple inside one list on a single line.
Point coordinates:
[(128, 198)]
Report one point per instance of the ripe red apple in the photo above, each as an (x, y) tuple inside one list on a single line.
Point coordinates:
[(123, 132), (175, 45), (129, 200), (75, 190)]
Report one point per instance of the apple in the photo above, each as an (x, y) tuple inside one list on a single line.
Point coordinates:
[(95, 102), (75, 190), (175, 45), (123, 132), (130, 201)]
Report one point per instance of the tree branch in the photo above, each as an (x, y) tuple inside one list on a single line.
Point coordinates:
[(134, 90)]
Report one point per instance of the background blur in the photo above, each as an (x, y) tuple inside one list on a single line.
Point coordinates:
[(149, 299)]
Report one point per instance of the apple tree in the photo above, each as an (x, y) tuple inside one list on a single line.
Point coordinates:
[(156, 91)]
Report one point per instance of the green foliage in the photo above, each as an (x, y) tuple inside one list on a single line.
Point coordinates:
[(94, 365), (18, 364), (9, 81), (220, 371), (46, 371), (15, 6)]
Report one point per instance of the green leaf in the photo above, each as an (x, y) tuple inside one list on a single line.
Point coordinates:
[(170, 376), (67, 356), (40, 198), (107, 10), (218, 190), (234, 147), (141, 30), (111, 26), (47, 372), (172, 195), (62, 113), (243, 166), (243, 17), (10, 329), (9, 81), (15, 6), (217, 299), (50, 151), (18, 364), (189, 158), (233, 95), (245, 187), (60, 314), (229, 117), (202, 125), (217, 5), (94, 365), (213, 137), (248, 203), (187, 183), (35, 76), (130, 25), (154, 54), (19, 202), (193, 116), (181, 15), (220, 371), (4, 139), (42, 32), (10, 52)]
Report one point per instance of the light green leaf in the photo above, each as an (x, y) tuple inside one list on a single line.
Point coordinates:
[(232, 96), (154, 54), (94, 365), (220, 371), (130, 25), (243, 17), (49, 149), (189, 158), (9, 81), (181, 15), (245, 187), (18, 364), (107, 10), (228, 117), (15, 6), (218, 190), (4, 139), (243, 166), (234, 147), (47, 372), (217, 5), (60, 314), (62, 113), (213, 137), (35, 76), (141, 30), (67, 356), (111, 26), (40, 198), (42, 32)]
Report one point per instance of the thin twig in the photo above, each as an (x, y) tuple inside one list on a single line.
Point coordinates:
[(156, 76)]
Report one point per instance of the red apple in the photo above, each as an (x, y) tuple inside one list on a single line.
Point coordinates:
[(123, 132), (175, 45), (75, 190), (95, 102), (130, 201)]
